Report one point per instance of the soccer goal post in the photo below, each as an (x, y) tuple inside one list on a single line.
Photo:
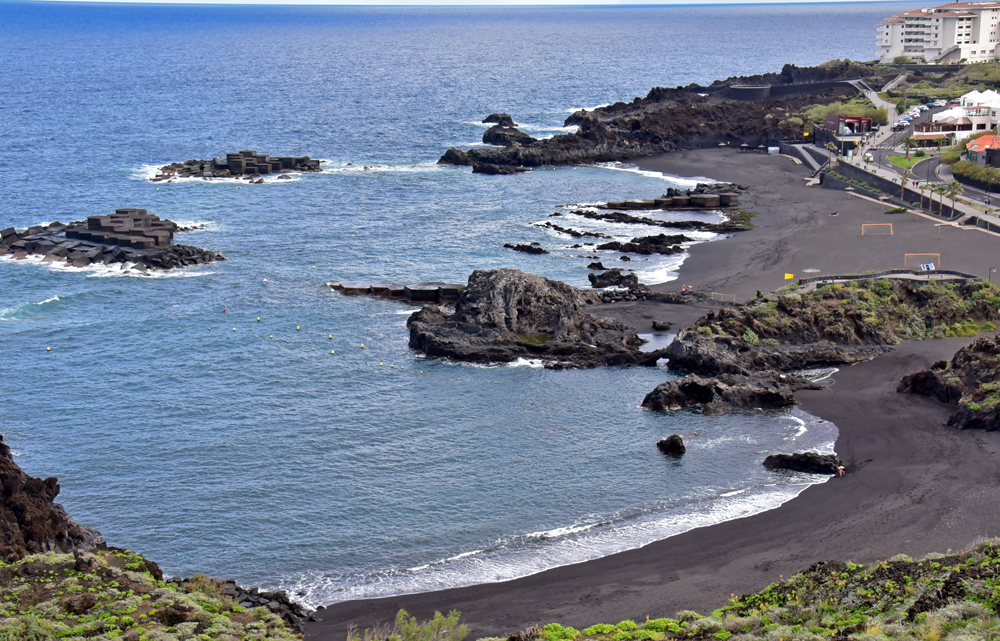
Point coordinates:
[(876, 229), (919, 259), (726, 298)]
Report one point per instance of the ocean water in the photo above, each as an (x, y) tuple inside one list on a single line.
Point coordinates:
[(266, 451)]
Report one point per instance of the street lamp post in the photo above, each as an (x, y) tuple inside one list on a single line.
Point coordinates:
[(989, 277)]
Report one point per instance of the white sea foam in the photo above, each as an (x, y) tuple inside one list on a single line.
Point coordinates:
[(573, 110), (527, 554), (683, 182), (148, 172), (48, 300), (801, 430), (100, 270), (527, 362)]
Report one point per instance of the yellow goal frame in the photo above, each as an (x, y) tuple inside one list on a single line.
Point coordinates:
[(863, 225), (906, 259)]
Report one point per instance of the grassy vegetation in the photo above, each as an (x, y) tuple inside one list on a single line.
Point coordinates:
[(741, 217), (975, 171), (857, 108), (407, 628), (883, 311), (904, 162), (857, 183), (940, 598), (112, 594)]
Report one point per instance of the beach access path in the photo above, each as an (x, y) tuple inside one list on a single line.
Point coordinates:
[(913, 486)]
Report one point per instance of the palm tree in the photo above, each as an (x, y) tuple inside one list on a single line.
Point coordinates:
[(942, 191), (909, 143), (831, 147), (923, 186), (902, 185), (954, 189)]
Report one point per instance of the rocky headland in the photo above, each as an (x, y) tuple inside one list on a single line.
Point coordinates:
[(670, 119), (30, 520), (246, 164), (59, 579), (129, 236), (750, 349), (970, 380), (503, 315)]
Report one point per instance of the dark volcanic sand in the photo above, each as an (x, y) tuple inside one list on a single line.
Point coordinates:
[(913, 486)]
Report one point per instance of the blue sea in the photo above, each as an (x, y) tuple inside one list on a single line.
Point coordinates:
[(225, 419)]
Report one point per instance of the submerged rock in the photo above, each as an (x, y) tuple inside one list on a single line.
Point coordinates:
[(727, 393), (810, 462), (673, 445), (496, 170), (30, 522), (505, 314), (526, 249), (502, 119)]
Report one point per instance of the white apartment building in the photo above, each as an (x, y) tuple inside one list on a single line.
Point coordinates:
[(950, 33)]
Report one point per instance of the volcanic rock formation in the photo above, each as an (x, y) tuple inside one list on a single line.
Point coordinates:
[(505, 314)]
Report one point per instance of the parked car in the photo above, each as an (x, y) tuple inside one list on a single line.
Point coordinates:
[(940, 103), (900, 127)]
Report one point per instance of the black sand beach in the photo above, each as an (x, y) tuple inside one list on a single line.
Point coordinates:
[(913, 486)]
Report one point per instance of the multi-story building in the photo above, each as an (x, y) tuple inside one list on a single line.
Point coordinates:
[(950, 33)]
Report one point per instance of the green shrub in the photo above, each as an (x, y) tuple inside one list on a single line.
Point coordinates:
[(599, 628), (556, 632), (896, 210), (722, 635), (621, 636), (659, 625), (648, 635), (440, 628), (750, 336), (627, 625)]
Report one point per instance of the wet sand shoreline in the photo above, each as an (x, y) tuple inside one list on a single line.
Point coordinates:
[(913, 486)]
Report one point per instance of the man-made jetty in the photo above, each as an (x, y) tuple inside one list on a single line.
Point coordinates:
[(127, 236), (246, 163), (694, 201), (416, 294)]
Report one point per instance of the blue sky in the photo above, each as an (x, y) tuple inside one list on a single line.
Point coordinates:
[(476, 3)]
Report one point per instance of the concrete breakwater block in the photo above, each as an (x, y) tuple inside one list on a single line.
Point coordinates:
[(129, 235), (244, 163), (692, 201), (415, 293)]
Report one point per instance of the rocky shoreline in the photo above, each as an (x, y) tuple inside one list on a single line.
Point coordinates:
[(667, 120), (130, 237)]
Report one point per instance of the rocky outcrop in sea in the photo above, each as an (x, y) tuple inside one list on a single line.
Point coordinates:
[(247, 164), (30, 520), (128, 236), (503, 315), (810, 462)]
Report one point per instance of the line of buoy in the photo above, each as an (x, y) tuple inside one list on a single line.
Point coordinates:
[(48, 349)]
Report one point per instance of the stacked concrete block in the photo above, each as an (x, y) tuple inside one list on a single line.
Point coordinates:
[(244, 163)]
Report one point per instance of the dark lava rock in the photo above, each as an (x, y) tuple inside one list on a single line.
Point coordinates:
[(496, 170), (969, 380), (659, 244), (243, 163), (504, 120), (572, 232), (506, 136), (662, 325), (613, 278), (30, 522), (671, 119), (731, 224), (727, 393), (527, 249), (127, 236), (625, 258), (810, 462), (505, 314), (673, 445), (598, 266)]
